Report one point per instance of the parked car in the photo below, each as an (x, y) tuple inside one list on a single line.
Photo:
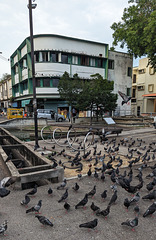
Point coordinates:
[(50, 114)]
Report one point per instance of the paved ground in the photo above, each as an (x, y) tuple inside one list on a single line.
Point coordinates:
[(66, 225)]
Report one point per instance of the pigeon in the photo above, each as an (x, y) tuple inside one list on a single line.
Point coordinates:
[(151, 195), (62, 185), (113, 198), (92, 192), (44, 220), (150, 210), (124, 97), (126, 203), (135, 199), (137, 210), (89, 173), (3, 227), (91, 224), (36, 208), (64, 196), (102, 176), (83, 202), (7, 181), (104, 194), (131, 223), (104, 213), (76, 187), (94, 207), (50, 191), (4, 192), (26, 200), (66, 206), (96, 175), (33, 191)]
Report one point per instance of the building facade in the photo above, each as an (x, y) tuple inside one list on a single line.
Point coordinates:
[(53, 55), (144, 89), (120, 71), (5, 93)]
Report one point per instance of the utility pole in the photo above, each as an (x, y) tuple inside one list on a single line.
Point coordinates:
[(33, 6)]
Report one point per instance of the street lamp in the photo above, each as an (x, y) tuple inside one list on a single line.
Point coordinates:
[(30, 7)]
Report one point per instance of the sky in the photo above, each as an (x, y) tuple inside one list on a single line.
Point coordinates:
[(84, 19)]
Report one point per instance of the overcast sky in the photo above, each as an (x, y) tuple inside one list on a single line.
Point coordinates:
[(84, 19)]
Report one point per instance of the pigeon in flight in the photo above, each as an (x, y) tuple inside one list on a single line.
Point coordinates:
[(131, 223), (91, 224), (124, 97), (26, 200), (44, 220), (3, 227), (36, 208)]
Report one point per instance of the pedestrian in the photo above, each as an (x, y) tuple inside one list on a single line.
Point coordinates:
[(74, 114)]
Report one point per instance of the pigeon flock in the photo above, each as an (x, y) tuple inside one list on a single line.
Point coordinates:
[(106, 180)]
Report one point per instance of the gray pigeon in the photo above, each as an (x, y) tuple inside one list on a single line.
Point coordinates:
[(36, 208), (91, 224), (62, 185), (3, 227), (44, 220), (131, 223)]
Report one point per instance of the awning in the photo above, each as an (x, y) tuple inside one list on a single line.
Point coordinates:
[(25, 102), (149, 95)]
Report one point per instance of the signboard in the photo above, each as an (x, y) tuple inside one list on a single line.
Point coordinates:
[(109, 120)]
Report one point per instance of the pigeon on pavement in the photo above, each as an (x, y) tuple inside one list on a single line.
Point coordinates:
[(44, 220), (26, 200), (3, 227), (62, 185), (92, 192), (64, 196), (36, 208), (131, 223), (150, 210), (33, 191), (94, 207), (76, 187), (83, 202), (91, 224)]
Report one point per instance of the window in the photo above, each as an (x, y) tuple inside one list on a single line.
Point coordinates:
[(74, 59), (55, 82), (16, 69), (141, 71), (133, 92), (110, 64), (129, 72), (140, 88), (128, 91), (46, 82), (38, 83), (54, 57), (134, 78), (150, 87), (64, 58), (151, 70), (36, 57), (100, 62), (84, 61), (45, 56), (92, 62)]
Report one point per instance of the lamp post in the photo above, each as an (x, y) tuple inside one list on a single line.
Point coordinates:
[(33, 6)]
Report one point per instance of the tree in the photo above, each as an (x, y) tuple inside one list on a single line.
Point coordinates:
[(5, 76), (97, 96), (92, 94), (137, 29)]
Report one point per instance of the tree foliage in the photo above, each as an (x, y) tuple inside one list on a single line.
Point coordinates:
[(137, 29), (93, 94)]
